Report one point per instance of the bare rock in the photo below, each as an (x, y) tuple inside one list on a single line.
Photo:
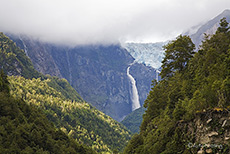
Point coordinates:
[(209, 120), (226, 138), (201, 151), (208, 150), (213, 134), (224, 123)]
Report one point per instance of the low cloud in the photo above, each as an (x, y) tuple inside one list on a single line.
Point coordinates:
[(74, 22)]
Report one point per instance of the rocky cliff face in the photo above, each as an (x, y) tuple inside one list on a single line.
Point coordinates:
[(39, 53), (209, 132), (98, 73)]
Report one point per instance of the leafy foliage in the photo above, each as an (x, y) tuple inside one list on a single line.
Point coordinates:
[(198, 83), (25, 129)]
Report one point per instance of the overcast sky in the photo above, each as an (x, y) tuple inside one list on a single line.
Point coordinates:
[(105, 21)]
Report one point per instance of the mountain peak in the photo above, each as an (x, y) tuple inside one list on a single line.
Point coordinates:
[(227, 12), (210, 27)]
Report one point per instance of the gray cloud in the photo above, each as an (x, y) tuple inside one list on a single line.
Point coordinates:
[(105, 21)]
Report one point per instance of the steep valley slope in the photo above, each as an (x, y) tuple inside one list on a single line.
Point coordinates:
[(97, 72), (61, 104)]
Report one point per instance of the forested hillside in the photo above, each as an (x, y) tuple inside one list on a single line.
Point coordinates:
[(192, 84), (134, 120), (77, 119), (25, 129), (14, 60), (61, 103)]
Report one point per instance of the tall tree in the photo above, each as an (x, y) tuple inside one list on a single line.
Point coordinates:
[(223, 26), (177, 55)]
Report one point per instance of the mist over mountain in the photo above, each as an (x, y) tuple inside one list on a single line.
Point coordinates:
[(78, 53), (101, 22), (152, 54), (97, 72), (209, 28)]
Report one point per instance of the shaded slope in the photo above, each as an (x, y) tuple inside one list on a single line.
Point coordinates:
[(133, 120)]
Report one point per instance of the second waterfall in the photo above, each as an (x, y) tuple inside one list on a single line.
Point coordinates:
[(134, 93)]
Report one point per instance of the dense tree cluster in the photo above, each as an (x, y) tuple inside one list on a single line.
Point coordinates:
[(78, 120), (192, 83), (25, 129), (62, 86)]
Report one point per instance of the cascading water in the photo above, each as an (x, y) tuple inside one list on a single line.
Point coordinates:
[(157, 75), (25, 47), (134, 92), (70, 70)]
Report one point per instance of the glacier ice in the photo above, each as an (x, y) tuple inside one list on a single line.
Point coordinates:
[(151, 54)]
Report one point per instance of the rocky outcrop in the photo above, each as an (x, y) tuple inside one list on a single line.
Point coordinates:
[(209, 131), (39, 53), (213, 127)]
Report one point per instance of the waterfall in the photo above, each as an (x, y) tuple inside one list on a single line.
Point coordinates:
[(134, 92), (70, 70), (157, 73), (25, 47)]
